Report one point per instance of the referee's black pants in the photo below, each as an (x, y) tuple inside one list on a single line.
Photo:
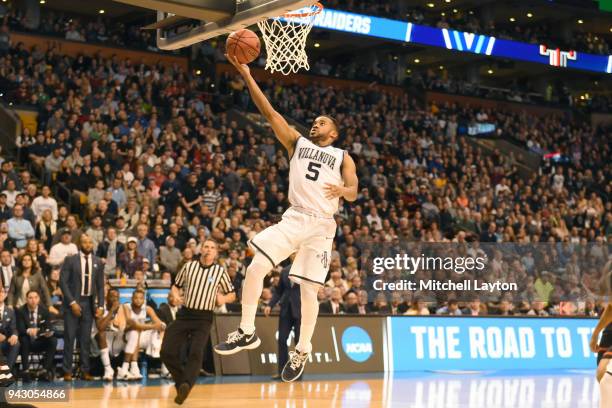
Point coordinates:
[(186, 328)]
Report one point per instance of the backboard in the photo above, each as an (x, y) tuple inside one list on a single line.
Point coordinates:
[(216, 17)]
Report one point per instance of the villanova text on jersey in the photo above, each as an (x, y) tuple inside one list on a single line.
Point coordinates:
[(318, 156)]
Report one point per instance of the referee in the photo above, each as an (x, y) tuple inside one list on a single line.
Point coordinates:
[(200, 281)]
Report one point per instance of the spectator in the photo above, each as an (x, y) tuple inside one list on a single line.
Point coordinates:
[(169, 256), (130, 260), (35, 335), (62, 249), (7, 268), (28, 278), (19, 229), (146, 248), (334, 305), (474, 307), (109, 251), (5, 210), (46, 228), (44, 202), (452, 309)]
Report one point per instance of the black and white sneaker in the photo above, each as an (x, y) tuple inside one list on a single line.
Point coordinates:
[(295, 366), (237, 341), (6, 376)]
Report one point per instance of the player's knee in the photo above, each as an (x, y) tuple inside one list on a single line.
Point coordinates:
[(259, 267)]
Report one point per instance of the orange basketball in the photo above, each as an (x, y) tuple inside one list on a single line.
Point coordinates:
[(244, 45)]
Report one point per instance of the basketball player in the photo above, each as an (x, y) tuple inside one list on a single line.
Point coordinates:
[(142, 327), (109, 332), (604, 348), (319, 175)]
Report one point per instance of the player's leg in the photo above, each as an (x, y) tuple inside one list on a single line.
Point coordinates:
[(6, 376), (102, 339), (309, 269), (131, 343), (604, 376), (272, 246)]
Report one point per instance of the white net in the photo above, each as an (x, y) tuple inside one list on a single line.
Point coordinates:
[(285, 39)]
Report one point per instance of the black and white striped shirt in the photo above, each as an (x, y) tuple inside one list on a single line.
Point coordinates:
[(200, 284)]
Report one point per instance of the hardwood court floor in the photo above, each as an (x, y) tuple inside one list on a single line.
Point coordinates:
[(493, 389)]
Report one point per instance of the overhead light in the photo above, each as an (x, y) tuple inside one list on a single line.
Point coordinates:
[(447, 1), (212, 85), (416, 60), (317, 45), (611, 29), (441, 66), (471, 12), (529, 15), (408, 71), (198, 72), (490, 71), (455, 11), (431, 5), (395, 58), (42, 2), (101, 11), (580, 21), (443, 14), (512, 19)]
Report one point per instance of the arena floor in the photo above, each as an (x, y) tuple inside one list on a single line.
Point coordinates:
[(541, 389)]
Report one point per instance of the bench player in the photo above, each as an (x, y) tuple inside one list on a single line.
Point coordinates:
[(319, 175)]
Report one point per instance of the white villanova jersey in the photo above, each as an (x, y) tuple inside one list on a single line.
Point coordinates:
[(310, 168)]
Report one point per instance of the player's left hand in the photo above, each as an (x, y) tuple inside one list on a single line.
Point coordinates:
[(99, 312), (333, 191)]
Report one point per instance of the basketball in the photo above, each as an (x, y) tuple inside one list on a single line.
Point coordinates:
[(244, 45)]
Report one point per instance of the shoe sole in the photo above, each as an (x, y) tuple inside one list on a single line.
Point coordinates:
[(182, 393), (294, 378), (238, 349)]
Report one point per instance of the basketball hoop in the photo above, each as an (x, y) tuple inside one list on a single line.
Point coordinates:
[(285, 39)]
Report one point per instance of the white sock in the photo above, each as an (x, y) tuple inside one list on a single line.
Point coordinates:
[(605, 388), (105, 357), (310, 311), (125, 366), (134, 365), (164, 369), (251, 291)]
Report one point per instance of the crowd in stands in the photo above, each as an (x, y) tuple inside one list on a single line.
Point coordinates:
[(153, 170)]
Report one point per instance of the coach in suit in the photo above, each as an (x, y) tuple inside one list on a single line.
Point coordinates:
[(35, 334), (9, 344), (82, 284), (287, 295), (334, 305)]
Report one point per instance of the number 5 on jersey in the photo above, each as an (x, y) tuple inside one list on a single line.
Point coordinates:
[(313, 171)]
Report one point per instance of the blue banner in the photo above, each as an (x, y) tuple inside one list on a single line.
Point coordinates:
[(489, 343), (460, 41)]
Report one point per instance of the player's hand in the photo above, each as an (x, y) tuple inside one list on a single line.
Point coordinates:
[(99, 312), (76, 309), (593, 344), (267, 311), (115, 306), (333, 191), (243, 69), (2, 338), (12, 340)]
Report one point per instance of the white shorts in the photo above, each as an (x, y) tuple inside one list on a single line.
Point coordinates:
[(309, 235), (115, 340)]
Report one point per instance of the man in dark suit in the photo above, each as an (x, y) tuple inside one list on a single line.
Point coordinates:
[(167, 314), (334, 305), (82, 284), (287, 295), (35, 335), (9, 345)]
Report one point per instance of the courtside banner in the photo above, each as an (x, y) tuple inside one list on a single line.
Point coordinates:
[(489, 343), (341, 344)]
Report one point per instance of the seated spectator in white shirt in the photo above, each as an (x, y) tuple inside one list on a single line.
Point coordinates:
[(62, 249), (44, 202)]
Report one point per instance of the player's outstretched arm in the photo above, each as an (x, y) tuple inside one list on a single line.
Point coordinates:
[(284, 133), (349, 175)]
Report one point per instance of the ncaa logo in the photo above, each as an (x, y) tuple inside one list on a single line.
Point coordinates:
[(357, 344)]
